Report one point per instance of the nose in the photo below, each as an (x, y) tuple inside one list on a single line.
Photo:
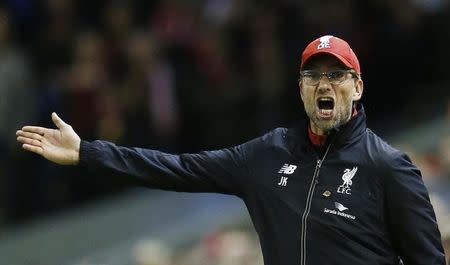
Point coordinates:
[(324, 84)]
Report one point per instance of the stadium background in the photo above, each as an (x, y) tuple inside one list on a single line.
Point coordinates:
[(184, 76)]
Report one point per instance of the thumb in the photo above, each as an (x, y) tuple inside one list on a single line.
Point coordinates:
[(57, 121)]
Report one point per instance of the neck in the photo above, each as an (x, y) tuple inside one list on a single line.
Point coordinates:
[(316, 130), (316, 139)]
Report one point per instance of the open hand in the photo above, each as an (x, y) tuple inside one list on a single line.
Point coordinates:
[(61, 145)]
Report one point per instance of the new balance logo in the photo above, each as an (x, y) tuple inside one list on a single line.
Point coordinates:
[(287, 169)]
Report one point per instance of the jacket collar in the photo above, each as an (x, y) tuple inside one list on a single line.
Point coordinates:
[(342, 135)]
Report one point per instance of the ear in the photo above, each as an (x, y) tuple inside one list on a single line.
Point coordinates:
[(359, 87)]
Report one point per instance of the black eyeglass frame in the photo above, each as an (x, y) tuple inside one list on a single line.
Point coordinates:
[(328, 74)]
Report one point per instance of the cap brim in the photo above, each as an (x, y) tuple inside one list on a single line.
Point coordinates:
[(340, 58)]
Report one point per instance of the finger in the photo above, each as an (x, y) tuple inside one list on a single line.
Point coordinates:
[(34, 149), (29, 135), (29, 141), (36, 129), (57, 121)]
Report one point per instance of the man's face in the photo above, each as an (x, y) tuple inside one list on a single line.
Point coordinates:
[(329, 104)]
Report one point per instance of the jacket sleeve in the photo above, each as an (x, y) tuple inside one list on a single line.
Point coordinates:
[(224, 171), (410, 216)]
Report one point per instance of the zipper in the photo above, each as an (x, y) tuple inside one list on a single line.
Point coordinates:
[(312, 186)]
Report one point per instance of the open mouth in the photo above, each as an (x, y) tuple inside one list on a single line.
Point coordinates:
[(325, 106)]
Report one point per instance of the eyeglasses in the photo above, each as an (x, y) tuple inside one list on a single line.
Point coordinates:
[(335, 77)]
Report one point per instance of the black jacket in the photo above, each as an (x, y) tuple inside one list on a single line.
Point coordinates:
[(358, 201)]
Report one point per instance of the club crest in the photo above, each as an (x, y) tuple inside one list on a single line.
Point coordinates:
[(347, 177)]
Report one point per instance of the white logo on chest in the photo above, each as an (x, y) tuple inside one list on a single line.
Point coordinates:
[(340, 211), (288, 170), (340, 207), (347, 177)]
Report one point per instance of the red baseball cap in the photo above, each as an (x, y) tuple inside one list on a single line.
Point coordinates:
[(334, 46)]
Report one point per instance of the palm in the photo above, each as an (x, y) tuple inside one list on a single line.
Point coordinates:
[(58, 145)]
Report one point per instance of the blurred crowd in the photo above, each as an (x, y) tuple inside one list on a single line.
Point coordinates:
[(186, 75), (234, 244), (227, 246)]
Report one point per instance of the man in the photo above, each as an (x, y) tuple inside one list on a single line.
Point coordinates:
[(327, 192)]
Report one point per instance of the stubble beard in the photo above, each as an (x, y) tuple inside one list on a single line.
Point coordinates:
[(342, 115)]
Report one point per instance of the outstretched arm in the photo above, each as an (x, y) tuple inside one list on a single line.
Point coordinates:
[(61, 145), (224, 171)]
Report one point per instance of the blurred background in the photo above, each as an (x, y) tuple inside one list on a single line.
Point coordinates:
[(185, 76)]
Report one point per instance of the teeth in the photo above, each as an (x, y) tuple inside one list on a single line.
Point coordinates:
[(325, 104)]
